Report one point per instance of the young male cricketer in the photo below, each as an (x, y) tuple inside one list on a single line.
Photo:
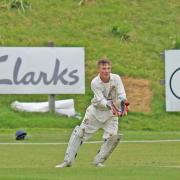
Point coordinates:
[(109, 95)]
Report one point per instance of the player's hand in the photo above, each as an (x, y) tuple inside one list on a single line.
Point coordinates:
[(116, 112), (126, 103), (120, 108)]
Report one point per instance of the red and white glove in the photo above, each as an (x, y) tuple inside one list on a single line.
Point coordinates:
[(120, 109)]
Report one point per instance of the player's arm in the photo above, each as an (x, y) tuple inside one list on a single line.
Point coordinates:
[(121, 105), (101, 101)]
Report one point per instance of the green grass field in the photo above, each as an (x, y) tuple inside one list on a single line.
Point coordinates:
[(132, 33), (99, 26), (129, 161)]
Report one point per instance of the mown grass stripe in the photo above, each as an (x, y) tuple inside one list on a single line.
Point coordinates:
[(89, 142)]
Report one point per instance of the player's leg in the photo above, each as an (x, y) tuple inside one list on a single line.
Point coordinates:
[(90, 125), (111, 140), (75, 141), (80, 134)]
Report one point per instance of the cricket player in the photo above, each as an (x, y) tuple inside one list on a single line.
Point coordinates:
[(109, 102)]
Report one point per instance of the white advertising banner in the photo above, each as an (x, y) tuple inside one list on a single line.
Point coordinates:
[(172, 78), (42, 70)]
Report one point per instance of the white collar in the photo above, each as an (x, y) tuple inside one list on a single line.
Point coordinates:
[(100, 81)]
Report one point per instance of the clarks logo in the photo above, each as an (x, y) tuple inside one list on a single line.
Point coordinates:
[(63, 76)]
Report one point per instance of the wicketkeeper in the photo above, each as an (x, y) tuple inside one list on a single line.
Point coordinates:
[(109, 102)]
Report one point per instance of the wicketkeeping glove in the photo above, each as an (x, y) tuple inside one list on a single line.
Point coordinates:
[(120, 108)]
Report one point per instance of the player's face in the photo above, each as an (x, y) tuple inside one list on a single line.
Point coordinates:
[(104, 71)]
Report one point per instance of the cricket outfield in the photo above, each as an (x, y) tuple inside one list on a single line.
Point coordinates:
[(140, 155)]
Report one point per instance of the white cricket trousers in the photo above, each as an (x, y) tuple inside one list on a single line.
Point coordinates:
[(95, 119)]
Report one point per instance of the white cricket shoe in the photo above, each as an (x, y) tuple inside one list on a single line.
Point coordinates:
[(62, 165), (100, 165)]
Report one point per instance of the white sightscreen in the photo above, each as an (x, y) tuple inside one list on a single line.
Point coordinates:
[(172, 74)]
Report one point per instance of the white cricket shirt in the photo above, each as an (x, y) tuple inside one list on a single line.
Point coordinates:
[(103, 92)]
